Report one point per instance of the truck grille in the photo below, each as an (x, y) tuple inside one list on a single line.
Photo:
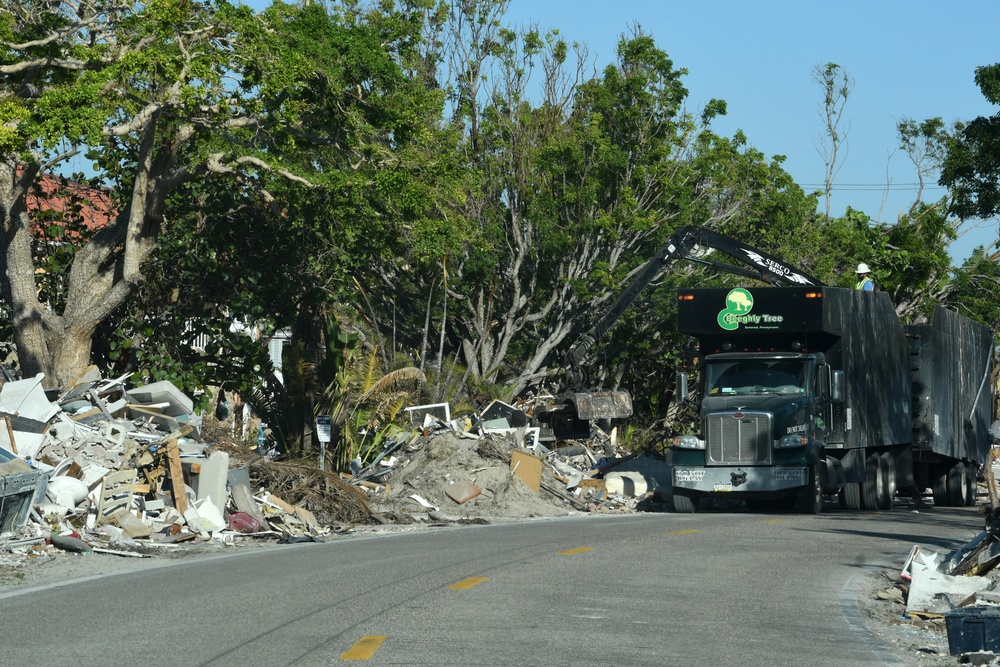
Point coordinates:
[(745, 440)]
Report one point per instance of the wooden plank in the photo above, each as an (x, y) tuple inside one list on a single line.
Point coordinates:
[(130, 524), (176, 476), (306, 517), (10, 434), (528, 468), (281, 504)]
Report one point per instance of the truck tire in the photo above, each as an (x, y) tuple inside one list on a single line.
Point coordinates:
[(957, 484), (809, 499), (685, 501), (971, 475), (939, 484), (873, 491), (852, 495), (888, 465)]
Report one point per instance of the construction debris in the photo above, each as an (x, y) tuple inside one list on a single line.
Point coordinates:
[(495, 464), (106, 469), (957, 593)]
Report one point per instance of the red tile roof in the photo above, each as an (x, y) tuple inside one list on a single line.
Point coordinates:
[(63, 196)]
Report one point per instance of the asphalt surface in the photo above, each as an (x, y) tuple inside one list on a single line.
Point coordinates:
[(642, 589)]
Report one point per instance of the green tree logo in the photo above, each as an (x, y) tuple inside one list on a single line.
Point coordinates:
[(738, 302)]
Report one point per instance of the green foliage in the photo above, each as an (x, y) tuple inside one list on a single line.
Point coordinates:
[(972, 166), (974, 289), (344, 382), (363, 402)]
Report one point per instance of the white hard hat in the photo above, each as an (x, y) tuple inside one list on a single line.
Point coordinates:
[(863, 268)]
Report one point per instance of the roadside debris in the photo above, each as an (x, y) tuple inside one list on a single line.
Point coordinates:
[(105, 469), (957, 593), (494, 464)]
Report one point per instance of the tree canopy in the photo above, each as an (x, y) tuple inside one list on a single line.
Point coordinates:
[(464, 196)]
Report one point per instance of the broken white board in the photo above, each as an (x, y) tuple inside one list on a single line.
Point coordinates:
[(930, 589), (26, 398)]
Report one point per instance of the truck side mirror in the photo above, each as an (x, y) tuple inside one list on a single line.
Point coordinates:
[(837, 391), (681, 389)]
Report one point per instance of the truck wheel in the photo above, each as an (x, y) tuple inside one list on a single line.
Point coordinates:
[(809, 499), (873, 488), (852, 495), (888, 471), (685, 501), (957, 484), (971, 474), (940, 484)]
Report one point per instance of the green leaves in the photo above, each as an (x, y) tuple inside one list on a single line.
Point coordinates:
[(972, 166)]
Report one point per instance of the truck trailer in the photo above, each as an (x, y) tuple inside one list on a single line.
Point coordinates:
[(807, 392)]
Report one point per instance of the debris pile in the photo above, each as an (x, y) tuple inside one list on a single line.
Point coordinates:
[(957, 593), (109, 469), (494, 464), (105, 468)]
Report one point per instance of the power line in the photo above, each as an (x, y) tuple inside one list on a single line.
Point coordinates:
[(872, 186)]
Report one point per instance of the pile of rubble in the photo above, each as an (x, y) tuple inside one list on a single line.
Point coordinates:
[(108, 469), (102, 468), (956, 594), (492, 465)]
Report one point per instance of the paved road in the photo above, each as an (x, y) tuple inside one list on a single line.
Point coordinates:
[(628, 590)]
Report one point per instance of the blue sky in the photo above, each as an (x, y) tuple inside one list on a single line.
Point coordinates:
[(908, 58), (913, 58)]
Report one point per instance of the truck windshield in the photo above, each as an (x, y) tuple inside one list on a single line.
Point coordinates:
[(780, 376)]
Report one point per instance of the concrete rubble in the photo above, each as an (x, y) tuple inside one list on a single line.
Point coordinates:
[(496, 464), (117, 471)]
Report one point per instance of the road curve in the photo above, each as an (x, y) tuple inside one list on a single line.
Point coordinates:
[(641, 589)]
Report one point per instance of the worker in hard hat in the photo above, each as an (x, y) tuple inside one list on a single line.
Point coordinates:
[(864, 282)]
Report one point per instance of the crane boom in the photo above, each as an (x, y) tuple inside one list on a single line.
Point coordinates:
[(762, 266)]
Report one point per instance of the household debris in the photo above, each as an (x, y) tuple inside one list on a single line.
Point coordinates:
[(106, 469), (496, 463), (102, 468), (957, 593)]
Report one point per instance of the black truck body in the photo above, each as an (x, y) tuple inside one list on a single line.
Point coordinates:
[(952, 362), (810, 391)]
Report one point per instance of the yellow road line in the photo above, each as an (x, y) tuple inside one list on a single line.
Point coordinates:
[(468, 583), (683, 532), (364, 648), (578, 550), (772, 520)]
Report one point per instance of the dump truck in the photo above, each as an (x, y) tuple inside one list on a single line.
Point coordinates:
[(814, 391)]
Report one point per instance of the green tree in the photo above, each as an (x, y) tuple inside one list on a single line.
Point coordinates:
[(972, 166), (175, 94)]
